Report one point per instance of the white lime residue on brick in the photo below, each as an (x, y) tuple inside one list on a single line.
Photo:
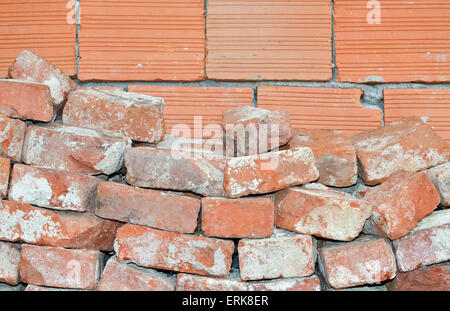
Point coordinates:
[(32, 190), (113, 158), (55, 89), (72, 199), (34, 147)]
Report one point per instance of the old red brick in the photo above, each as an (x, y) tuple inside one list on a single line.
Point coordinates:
[(25, 100), (73, 149), (9, 263), (431, 278), (440, 176), (12, 133), (59, 267), (263, 173), (164, 169), (334, 154), (173, 251), (139, 117), (208, 148), (317, 210), (33, 68), (399, 203), (5, 167), (237, 218), (408, 144), (24, 223), (53, 189), (426, 244), (308, 284), (366, 260), (38, 288), (146, 207), (189, 282), (255, 130), (284, 255), (118, 276)]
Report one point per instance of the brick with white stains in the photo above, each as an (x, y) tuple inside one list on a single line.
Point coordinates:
[(308, 284), (440, 176), (12, 134), (5, 168), (9, 263), (190, 282)]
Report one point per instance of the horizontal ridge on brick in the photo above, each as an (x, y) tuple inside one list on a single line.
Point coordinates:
[(147, 207), (135, 116)]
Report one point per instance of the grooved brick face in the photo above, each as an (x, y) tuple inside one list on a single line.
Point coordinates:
[(183, 104), (321, 108), (268, 40), (142, 40), (432, 104), (410, 42), (26, 25)]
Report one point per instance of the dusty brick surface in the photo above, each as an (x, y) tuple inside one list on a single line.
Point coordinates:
[(426, 244), (237, 218), (366, 260), (308, 284), (24, 223), (73, 149), (334, 154), (258, 174), (53, 189), (190, 282), (284, 255), (440, 176), (408, 144), (5, 168), (119, 276), (399, 203), (9, 263), (431, 278), (320, 211), (139, 117), (173, 251), (60, 267), (12, 133), (147, 207)]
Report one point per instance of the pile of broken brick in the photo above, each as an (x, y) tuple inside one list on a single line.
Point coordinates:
[(97, 197)]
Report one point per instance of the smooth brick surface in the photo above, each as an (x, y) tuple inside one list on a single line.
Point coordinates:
[(59, 267), (173, 251), (12, 133), (392, 50), (118, 276), (237, 218), (321, 108), (190, 282), (145, 207), (24, 223), (283, 255), (25, 25), (366, 260), (149, 40), (183, 103), (139, 117), (308, 284), (5, 167), (9, 263), (432, 104), (267, 40)]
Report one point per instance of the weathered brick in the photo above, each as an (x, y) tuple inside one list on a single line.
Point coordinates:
[(440, 176), (33, 68), (53, 189), (366, 260), (12, 133), (173, 251), (255, 130), (320, 211), (426, 244), (9, 263), (431, 278), (24, 223), (284, 255), (118, 276), (60, 267), (189, 282), (139, 117), (38, 288), (237, 218), (5, 167), (399, 203), (163, 169), (308, 284), (263, 173), (334, 154), (146, 207), (25, 100), (73, 149), (208, 148), (408, 144)]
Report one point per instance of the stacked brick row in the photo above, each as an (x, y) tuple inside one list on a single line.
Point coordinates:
[(98, 198)]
